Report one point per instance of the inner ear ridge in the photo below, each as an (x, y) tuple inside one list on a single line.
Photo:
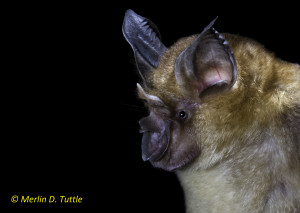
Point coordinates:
[(230, 53)]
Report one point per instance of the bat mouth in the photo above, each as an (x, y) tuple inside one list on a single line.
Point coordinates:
[(154, 145)]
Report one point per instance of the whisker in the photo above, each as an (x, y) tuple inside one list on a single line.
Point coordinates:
[(135, 108), (132, 127), (131, 105)]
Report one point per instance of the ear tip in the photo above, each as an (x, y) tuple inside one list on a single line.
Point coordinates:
[(130, 16), (213, 21), (129, 22), (130, 12), (210, 25)]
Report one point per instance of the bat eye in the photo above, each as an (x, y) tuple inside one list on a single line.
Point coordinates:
[(182, 114)]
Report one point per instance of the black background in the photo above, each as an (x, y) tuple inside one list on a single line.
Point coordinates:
[(70, 107)]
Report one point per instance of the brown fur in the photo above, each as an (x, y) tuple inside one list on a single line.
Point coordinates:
[(248, 136)]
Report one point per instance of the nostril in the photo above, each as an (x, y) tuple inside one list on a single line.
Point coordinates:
[(151, 123), (148, 124)]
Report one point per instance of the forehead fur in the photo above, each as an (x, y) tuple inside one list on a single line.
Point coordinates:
[(165, 85)]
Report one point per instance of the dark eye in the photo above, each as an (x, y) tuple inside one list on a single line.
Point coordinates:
[(182, 114)]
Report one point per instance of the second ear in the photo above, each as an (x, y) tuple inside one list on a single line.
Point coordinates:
[(144, 38), (208, 61)]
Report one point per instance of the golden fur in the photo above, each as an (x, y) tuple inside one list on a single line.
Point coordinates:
[(250, 159)]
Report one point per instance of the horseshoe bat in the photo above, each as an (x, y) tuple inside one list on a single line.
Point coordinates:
[(224, 115)]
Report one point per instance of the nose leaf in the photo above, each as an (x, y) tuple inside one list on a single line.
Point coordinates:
[(150, 143)]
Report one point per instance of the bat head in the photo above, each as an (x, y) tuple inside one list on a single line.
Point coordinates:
[(178, 85)]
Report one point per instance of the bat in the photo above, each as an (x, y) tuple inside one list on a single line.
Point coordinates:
[(224, 115)]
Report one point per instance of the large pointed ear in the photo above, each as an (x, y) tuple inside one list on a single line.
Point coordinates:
[(208, 62), (144, 38)]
